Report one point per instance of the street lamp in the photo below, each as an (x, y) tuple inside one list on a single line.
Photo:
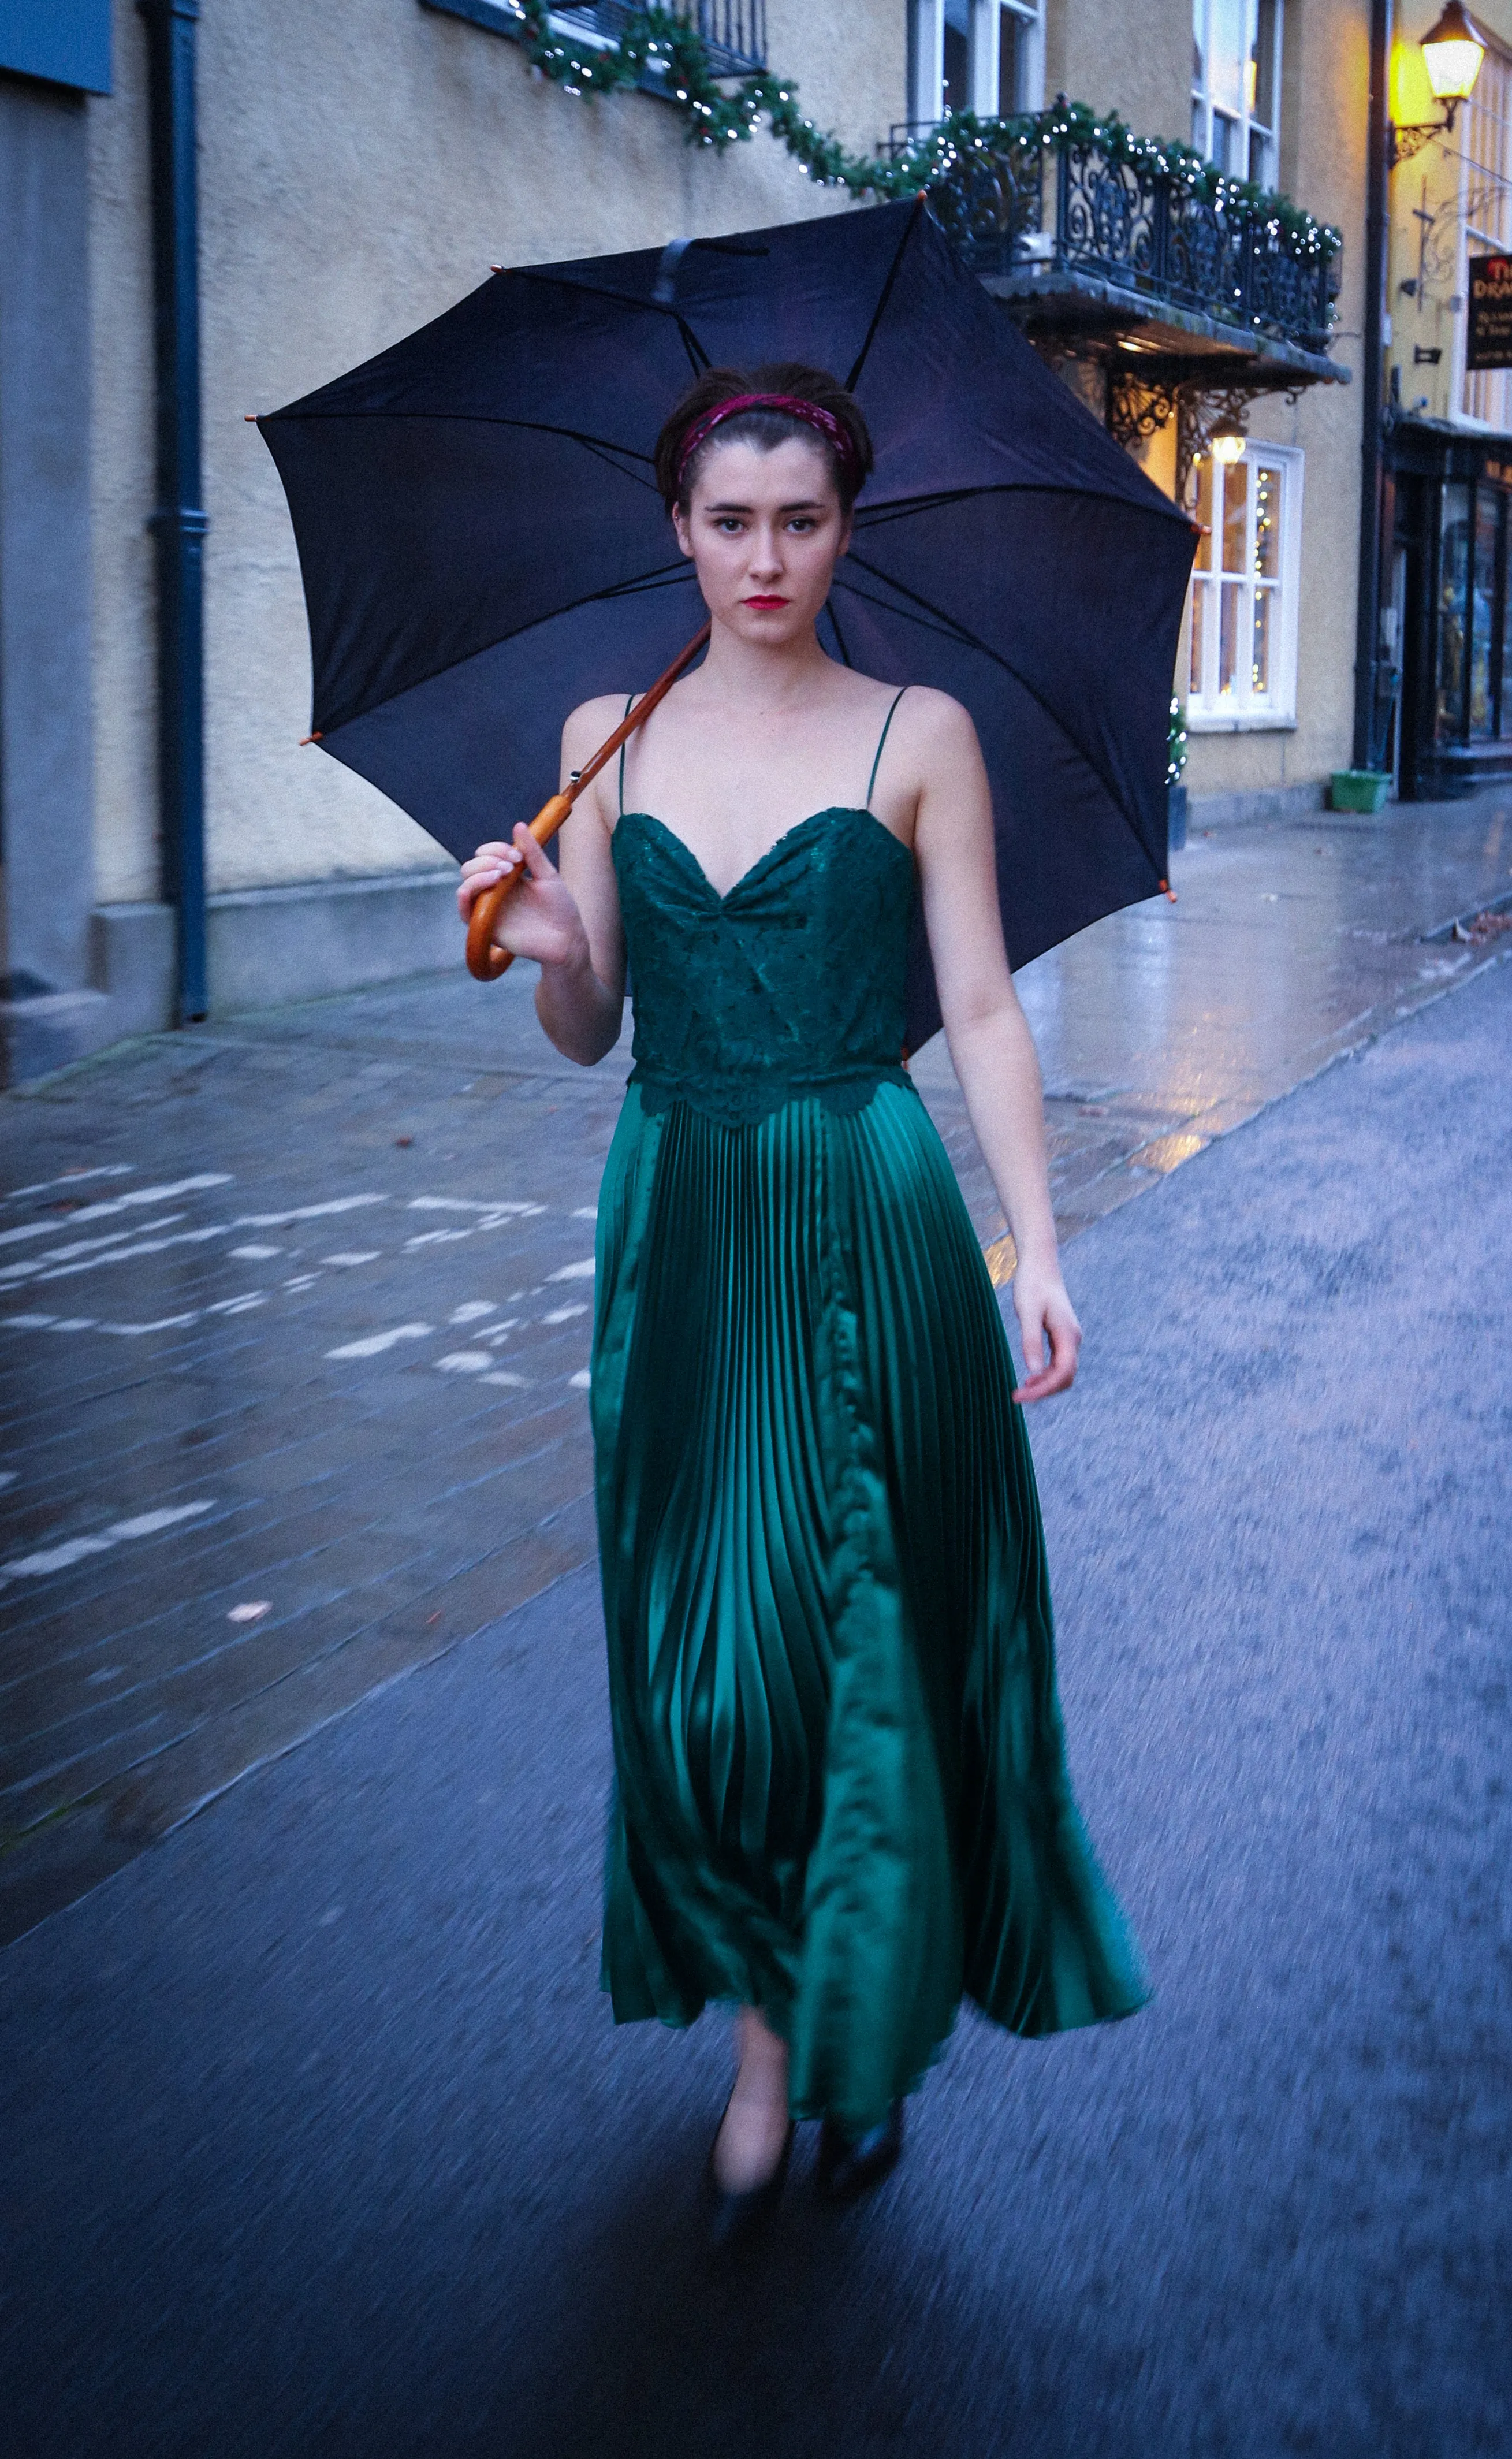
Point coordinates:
[(1453, 50), (1227, 442)]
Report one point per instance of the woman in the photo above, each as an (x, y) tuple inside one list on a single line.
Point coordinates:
[(841, 1794)]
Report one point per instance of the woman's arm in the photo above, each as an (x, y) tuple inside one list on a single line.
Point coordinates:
[(990, 1043), (568, 921)]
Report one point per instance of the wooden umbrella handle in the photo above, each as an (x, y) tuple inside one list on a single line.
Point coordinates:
[(485, 961)]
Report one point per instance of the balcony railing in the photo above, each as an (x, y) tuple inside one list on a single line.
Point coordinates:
[(1062, 202), (734, 31)]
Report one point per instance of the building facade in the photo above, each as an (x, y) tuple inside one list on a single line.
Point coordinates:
[(208, 209), (1443, 715)]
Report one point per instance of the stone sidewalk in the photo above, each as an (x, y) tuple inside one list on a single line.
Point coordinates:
[(295, 1309)]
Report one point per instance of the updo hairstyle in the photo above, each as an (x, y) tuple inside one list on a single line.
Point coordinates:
[(676, 467)]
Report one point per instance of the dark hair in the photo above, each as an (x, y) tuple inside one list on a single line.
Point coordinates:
[(766, 429)]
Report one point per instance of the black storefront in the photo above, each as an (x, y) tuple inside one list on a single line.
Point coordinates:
[(1447, 618)]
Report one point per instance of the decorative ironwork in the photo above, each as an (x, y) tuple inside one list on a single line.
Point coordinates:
[(1070, 204), (1138, 407), (1197, 414), (733, 32)]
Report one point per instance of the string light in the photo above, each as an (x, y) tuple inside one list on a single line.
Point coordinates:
[(662, 38)]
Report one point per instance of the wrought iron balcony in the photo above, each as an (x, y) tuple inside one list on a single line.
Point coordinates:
[(734, 31), (1038, 208)]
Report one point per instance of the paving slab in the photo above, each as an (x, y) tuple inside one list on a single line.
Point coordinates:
[(295, 1306)]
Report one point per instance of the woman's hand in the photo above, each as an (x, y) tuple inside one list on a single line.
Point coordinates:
[(539, 918), (1046, 1322)]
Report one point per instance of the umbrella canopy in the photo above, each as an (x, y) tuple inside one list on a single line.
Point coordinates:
[(483, 546)]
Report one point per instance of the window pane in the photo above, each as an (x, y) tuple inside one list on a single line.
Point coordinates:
[(1235, 502), (1260, 158), (1485, 528), (1228, 65), (1202, 599), (1226, 150), (1202, 513), (957, 55), (1263, 62), (1013, 49), (1268, 483), (1229, 639), (1453, 576), (1264, 616)]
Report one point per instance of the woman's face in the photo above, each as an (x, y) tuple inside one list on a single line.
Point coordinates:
[(764, 531)]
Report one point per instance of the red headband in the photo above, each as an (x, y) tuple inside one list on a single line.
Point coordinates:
[(822, 422)]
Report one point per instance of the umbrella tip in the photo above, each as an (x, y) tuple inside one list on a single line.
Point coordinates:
[(316, 737), (496, 268), (249, 417), (1167, 890)]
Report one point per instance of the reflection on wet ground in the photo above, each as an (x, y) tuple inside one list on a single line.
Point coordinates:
[(295, 1308), (1289, 945)]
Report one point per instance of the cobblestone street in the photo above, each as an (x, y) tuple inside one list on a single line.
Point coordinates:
[(296, 1307)]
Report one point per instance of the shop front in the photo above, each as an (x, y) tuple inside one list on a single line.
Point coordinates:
[(1448, 623)]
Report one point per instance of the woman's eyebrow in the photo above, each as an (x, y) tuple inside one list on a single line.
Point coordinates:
[(805, 504)]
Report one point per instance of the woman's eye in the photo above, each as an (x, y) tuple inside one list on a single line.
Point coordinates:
[(729, 526), (803, 521)]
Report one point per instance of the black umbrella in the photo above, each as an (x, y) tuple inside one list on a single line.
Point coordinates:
[(483, 546)]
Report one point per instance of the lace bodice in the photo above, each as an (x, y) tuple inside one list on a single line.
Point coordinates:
[(793, 983)]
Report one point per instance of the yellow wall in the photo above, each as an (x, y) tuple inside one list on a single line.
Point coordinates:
[(1430, 253)]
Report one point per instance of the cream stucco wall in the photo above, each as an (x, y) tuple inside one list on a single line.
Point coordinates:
[(362, 163), (1132, 59), (361, 166)]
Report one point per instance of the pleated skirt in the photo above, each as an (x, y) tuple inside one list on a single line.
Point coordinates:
[(841, 1790)]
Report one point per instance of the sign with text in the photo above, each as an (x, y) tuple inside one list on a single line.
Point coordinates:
[(1488, 338)]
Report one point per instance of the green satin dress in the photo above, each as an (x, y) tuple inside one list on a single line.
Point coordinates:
[(841, 1791)]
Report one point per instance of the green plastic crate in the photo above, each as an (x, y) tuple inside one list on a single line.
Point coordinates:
[(1359, 790)]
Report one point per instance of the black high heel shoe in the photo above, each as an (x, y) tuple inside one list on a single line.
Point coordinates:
[(730, 2219), (850, 2166)]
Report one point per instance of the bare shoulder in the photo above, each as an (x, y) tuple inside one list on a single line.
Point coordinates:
[(932, 717), (591, 720), (935, 735)]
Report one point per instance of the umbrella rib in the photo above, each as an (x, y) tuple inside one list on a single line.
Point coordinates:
[(936, 620), (880, 309), (697, 357)]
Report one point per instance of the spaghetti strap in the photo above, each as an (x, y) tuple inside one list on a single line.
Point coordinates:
[(881, 740), (623, 748)]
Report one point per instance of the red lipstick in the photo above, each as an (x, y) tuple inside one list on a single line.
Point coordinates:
[(764, 605)]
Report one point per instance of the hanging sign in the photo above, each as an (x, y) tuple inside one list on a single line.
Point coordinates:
[(1488, 339)]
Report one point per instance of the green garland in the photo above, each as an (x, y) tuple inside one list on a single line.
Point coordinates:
[(729, 111)]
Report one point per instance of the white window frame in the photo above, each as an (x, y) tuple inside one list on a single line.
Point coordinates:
[(1485, 220), (1245, 712), (1251, 120), (927, 20)]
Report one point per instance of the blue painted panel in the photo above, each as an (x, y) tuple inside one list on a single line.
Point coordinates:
[(68, 41)]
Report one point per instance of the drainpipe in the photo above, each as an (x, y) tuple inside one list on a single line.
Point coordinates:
[(179, 523), (1367, 637)]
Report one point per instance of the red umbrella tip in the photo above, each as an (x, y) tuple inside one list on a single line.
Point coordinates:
[(1166, 888), (309, 738), (249, 417)]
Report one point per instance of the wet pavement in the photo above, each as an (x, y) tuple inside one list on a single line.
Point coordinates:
[(316, 2137), (294, 1309)]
